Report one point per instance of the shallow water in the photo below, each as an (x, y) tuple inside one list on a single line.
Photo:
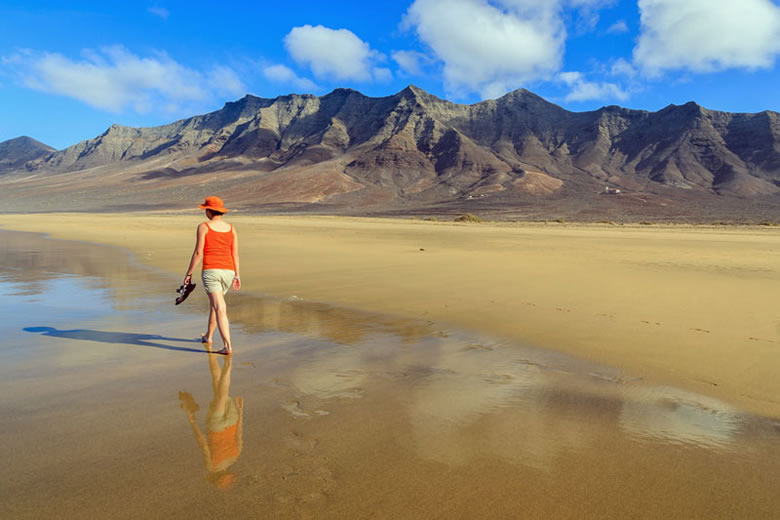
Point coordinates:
[(111, 409)]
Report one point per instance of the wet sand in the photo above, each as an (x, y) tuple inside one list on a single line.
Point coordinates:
[(690, 307), (345, 414)]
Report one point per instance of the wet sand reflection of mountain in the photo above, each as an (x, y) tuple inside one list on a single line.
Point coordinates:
[(339, 325), (31, 260), (518, 404)]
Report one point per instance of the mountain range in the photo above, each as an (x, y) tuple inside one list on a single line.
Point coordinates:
[(415, 153)]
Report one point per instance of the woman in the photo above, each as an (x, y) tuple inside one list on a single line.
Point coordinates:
[(217, 246)]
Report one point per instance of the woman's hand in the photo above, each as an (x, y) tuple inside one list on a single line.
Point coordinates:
[(236, 283), (187, 279)]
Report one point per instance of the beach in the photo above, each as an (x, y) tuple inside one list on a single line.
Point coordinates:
[(692, 307), (108, 396)]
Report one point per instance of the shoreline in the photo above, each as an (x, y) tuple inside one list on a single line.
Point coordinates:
[(676, 304)]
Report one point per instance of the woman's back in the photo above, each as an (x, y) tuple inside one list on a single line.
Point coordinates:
[(218, 225), (218, 246)]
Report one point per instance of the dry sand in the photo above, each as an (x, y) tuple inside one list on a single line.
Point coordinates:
[(691, 307)]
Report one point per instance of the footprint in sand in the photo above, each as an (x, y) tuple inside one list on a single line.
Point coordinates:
[(352, 393), (530, 363), (294, 409), (500, 379), (702, 330), (301, 445), (608, 378), (477, 346)]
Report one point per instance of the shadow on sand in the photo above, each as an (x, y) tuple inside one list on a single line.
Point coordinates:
[(126, 338)]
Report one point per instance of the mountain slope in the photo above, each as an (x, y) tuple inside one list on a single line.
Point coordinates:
[(414, 148), (14, 153)]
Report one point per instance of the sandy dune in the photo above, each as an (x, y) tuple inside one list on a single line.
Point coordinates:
[(692, 307)]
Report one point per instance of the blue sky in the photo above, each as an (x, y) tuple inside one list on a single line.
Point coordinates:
[(70, 70)]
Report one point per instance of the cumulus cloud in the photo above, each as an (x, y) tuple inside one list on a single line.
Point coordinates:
[(492, 47), (487, 48), (621, 67), (282, 74), (159, 11), (583, 90), (707, 35), (618, 27), (411, 62), (334, 54), (113, 78), (382, 74)]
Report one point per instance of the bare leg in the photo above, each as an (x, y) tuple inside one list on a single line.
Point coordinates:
[(208, 335), (221, 386), (216, 372), (217, 301)]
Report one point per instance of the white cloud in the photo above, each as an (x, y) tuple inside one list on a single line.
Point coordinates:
[(411, 62), (334, 54), (382, 74), (492, 47), (283, 74), (113, 78), (621, 67), (224, 80), (159, 11), (618, 27), (707, 35), (583, 90)]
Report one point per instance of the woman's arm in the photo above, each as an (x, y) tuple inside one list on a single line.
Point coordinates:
[(240, 428), (197, 254), (201, 439), (234, 250)]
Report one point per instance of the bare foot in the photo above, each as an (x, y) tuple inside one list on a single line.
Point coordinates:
[(225, 351), (204, 339)]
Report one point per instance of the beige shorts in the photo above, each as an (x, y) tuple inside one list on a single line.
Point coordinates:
[(215, 280), (218, 422)]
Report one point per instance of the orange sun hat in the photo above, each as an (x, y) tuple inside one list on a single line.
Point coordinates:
[(214, 203)]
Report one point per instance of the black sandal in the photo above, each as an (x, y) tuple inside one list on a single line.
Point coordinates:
[(184, 291)]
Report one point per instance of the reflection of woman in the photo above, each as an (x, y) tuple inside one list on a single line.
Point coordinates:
[(223, 441), (217, 245)]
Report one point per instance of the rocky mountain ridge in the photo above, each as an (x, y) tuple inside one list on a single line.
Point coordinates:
[(15, 153), (413, 147)]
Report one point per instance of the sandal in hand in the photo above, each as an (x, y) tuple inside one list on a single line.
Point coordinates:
[(184, 291)]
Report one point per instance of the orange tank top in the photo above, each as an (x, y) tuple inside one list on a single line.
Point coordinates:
[(223, 444), (218, 249)]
